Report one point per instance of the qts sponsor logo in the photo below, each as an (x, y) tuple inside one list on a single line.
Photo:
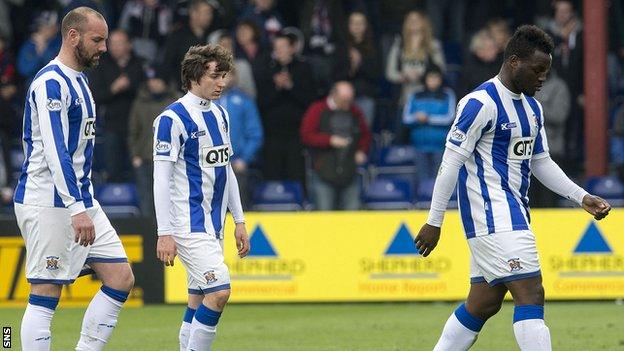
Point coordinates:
[(402, 261), (264, 263)]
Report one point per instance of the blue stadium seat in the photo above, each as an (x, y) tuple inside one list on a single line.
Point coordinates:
[(425, 192), (388, 194), (609, 188), (278, 196), (118, 199), (397, 156)]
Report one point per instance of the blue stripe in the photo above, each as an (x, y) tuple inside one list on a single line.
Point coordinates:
[(86, 168), (164, 133), (227, 127), (524, 312), (220, 174), (206, 316), (43, 301), (195, 292), (115, 294), (476, 280), (512, 278), (193, 170), (469, 114), (500, 146), (44, 70), (487, 203), (188, 314), (50, 281), (74, 115), (21, 185), (525, 171), (467, 320), (464, 203), (58, 202), (106, 259), (53, 91), (538, 148)]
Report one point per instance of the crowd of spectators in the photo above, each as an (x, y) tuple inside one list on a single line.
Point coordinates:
[(319, 86)]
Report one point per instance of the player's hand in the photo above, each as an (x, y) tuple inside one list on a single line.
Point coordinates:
[(427, 239), (596, 206), (83, 228), (242, 240), (166, 249)]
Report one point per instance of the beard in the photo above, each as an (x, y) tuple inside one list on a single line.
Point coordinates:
[(83, 58)]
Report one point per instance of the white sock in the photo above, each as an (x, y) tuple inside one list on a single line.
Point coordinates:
[(203, 329), (100, 319), (185, 329), (460, 331), (35, 330), (531, 332)]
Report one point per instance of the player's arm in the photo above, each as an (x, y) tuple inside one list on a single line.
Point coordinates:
[(54, 126), (167, 135), (472, 121), (236, 208)]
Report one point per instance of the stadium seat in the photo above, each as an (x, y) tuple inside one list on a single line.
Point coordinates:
[(609, 188), (425, 192), (397, 156), (388, 194), (278, 196), (118, 199)]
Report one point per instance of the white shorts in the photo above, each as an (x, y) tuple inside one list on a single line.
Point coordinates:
[(503, 257), (52, 256), (202, 256)]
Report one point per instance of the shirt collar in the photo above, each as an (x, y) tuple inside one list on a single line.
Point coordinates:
[(197, 102)]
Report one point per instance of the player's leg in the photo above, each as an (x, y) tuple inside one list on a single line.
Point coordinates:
[(465, 323), (528, 322), (204, 325), (194, 300), (202, 255), (47, 268), (108, 260)]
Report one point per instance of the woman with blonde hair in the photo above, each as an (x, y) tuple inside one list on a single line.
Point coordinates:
[(411, 52)]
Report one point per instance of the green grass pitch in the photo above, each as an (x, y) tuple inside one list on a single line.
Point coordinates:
[(585, 326)]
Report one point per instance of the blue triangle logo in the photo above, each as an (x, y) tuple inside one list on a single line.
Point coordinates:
[(403, 243), (592, 241), (260, 244)]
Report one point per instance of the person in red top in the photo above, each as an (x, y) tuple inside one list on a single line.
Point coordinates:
[(334, 131)]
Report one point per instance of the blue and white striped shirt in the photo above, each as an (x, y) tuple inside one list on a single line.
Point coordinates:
[(193, 133), (58, 138), (500, 132)]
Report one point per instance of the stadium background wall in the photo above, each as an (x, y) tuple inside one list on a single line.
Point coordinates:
[(358, 256)]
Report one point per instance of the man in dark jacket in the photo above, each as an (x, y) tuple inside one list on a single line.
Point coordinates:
[(151, 100), (335, 131), (115, 83), (200, 17), (285, 89)]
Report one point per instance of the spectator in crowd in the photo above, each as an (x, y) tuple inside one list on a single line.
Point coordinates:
[(247, 44), (412, 52), (498, 29), (42, 46), (147, 22), (334, 130), (266, 18), (617, 143), (482, 63), (286, 90), (245, 132), (322, 23), (555, 99), (358, 62), (245, 80), (200, 17), (429, 114), (567, 33), (450, 27), (151, 100), (114, 84)]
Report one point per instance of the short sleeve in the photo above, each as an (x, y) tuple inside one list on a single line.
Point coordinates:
[(472, 119), (168, 139)]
